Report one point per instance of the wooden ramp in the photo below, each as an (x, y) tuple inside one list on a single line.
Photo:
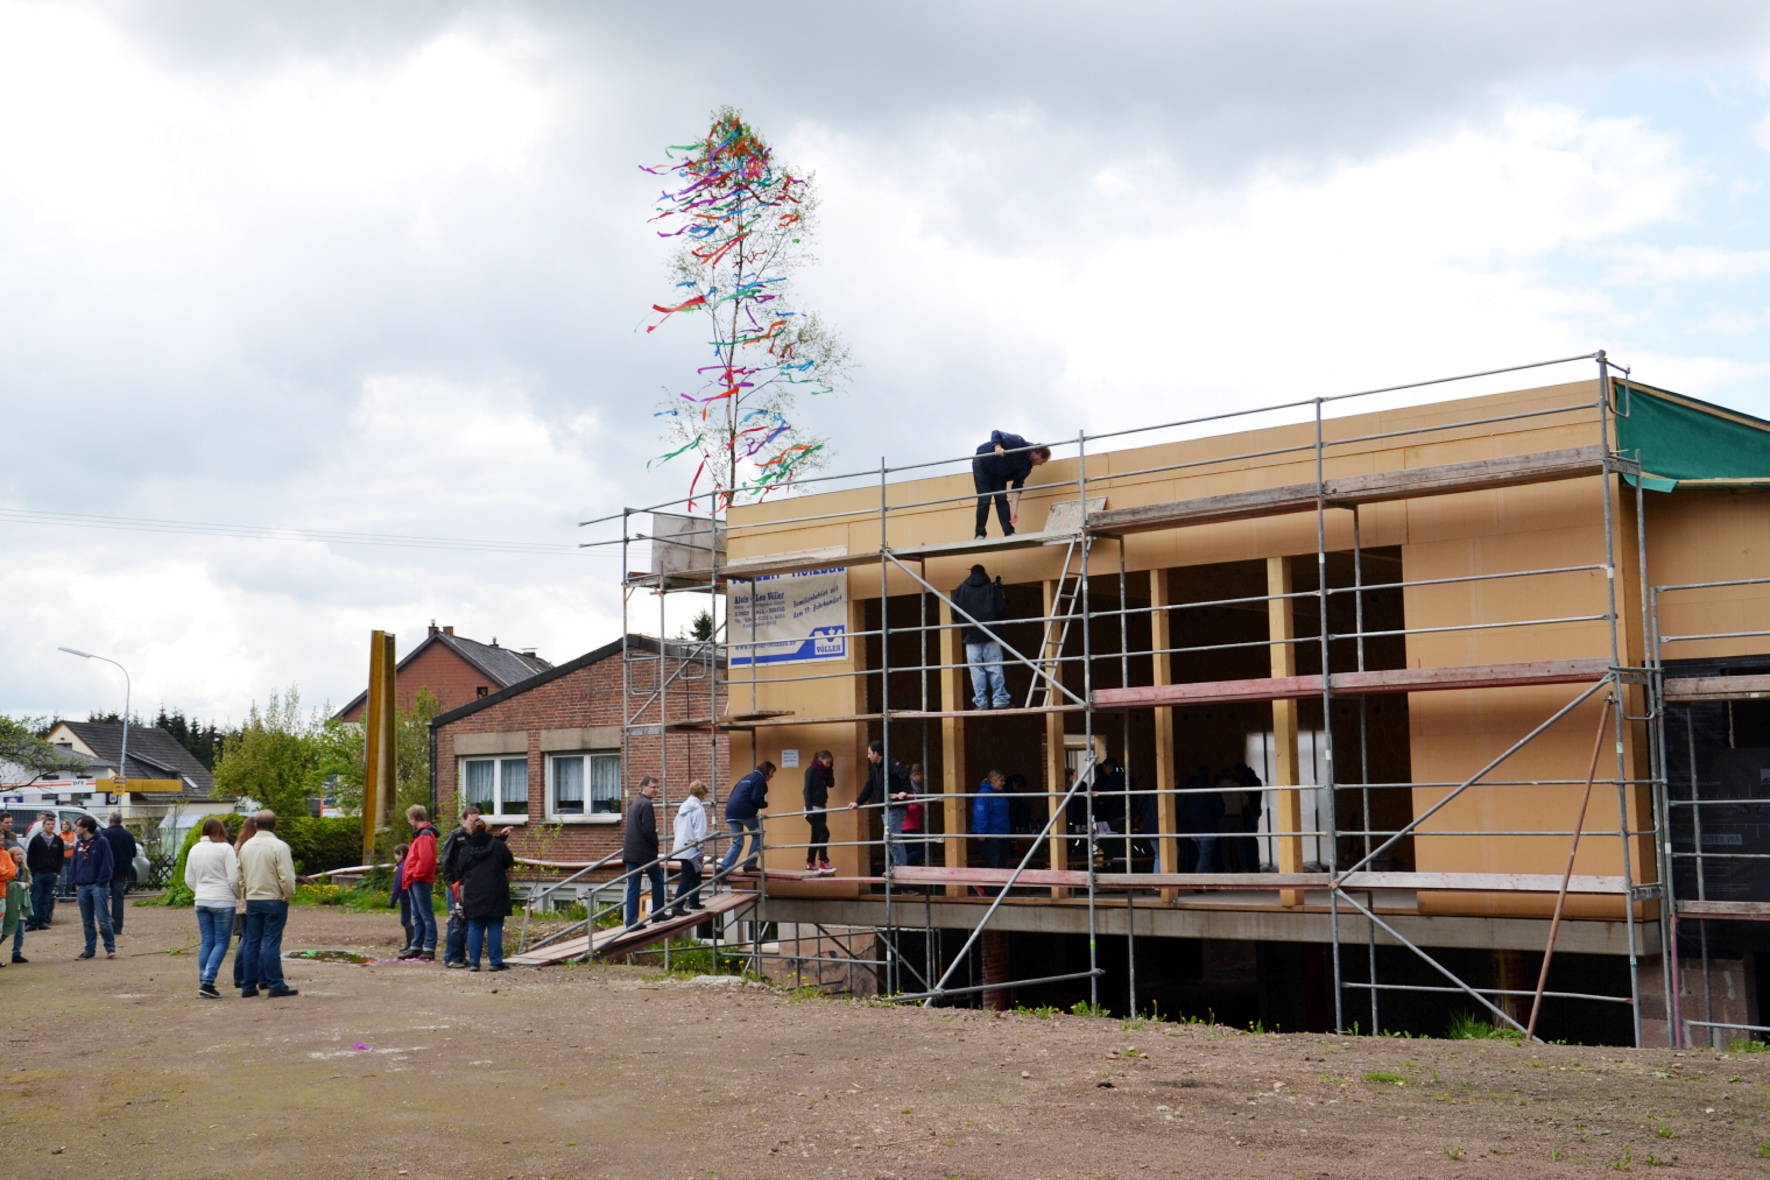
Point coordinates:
[(618, 940)]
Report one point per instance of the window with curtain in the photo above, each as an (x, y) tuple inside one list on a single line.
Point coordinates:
[(568, 785), (605, 784), (499, 787)]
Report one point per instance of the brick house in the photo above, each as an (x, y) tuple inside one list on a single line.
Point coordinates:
[(546, 754), (456, 669)]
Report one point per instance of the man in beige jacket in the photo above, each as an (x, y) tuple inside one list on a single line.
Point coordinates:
[(267, 879)]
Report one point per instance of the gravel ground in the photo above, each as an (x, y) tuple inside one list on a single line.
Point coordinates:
[(115, 1068)]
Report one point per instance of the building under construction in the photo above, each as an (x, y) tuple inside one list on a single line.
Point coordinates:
[(1472, 694)]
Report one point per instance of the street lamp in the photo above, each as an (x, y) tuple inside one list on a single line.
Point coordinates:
[(123, 759)]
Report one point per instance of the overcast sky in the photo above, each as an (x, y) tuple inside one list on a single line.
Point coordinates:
[(378, 268)]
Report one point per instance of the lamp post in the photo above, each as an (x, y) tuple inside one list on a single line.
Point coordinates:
[(123, 759)]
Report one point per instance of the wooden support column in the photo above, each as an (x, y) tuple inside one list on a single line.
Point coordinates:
[(1054, 752), (952, 745), (1287, 812), (1166, 804)]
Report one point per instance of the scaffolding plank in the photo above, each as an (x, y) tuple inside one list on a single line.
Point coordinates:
[(1717, 688), (1393, 680), (1481, 882), (1753, 910), (1444, 479), (619, 940)]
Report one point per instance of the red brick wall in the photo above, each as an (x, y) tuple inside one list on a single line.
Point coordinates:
[(442, 670), (591, 696)]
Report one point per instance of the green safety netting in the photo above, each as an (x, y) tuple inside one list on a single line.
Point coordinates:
[(1685, 441)]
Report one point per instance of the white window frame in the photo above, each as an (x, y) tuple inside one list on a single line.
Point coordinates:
[(497, 760), (588, 817)]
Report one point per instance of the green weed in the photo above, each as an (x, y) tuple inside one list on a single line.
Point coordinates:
[(1466, 1026), (1387, 1079), (1455, 1153), (1084, 1008)]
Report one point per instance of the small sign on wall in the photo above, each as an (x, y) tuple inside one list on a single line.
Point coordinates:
[(789, 758)]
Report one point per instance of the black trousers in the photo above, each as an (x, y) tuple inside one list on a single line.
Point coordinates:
[(990, 486), (820, 836)]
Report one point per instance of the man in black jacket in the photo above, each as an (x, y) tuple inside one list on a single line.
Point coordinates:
[(639, 852), (43, 856), (122, 842), (455, 941), (979, 600), (819, 778), (891, 785), (1001, 463)]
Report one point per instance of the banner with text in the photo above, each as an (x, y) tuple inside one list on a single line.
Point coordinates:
[(789, 619)]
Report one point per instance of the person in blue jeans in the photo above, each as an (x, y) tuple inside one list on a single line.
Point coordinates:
[(212, 872), (43, 856), (1004, 462), (890, 785), (979, 603), (485, 892), (91, 876), (743, 816), (123, 846), (419, 878), (267, 870), (68, 839), (639, 853)]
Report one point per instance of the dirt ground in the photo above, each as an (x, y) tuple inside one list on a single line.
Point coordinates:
[(116, 1068)]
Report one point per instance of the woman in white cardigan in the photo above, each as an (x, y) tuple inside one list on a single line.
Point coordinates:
[(212, 870), (690, 833)]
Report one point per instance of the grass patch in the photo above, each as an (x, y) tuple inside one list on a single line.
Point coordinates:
[(1747, 1045), (1386, 1079), (1084, 1008), (1042, 1012), (1466, 1026)]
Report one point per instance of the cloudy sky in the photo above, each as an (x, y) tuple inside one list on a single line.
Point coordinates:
[(315, 268)]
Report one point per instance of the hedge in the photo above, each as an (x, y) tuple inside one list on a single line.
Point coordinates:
[(315, 844)]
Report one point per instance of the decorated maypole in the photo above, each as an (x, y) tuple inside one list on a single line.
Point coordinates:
[(744, 221)]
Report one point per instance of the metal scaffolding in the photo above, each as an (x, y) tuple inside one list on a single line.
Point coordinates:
[(1075, 642)]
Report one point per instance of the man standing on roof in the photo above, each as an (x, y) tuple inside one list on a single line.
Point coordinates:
[(891, 785), (981, 601), (1003, 462)]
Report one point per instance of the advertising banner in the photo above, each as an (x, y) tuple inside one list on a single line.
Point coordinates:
[(789, 619)]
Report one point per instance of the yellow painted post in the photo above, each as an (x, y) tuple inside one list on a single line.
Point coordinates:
[(1288, 804), (1054, 752), (1166, 804), (378, 758), (952, 746)]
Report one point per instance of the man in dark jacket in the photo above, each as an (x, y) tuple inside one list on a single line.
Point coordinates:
[(891, 786), (455, 940), (92, 885), (122, 842), (1200, 813), (979, 600), (43, 857), (639, 853), (820, 776), (743, 808), (1003, 462)]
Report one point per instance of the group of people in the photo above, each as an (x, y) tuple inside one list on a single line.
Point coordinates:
[(474, 863), (243, 888), (98, 864)]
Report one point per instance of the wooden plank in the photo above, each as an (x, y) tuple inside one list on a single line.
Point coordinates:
[(619, 940), (1166, 763), (1749, 910), (1395, 680), (1014, 711), (1717, 688), (1287, 811), (1480, 882), (1445, 479), (935, 875)]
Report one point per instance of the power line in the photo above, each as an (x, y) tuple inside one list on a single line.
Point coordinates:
[(276, 532)]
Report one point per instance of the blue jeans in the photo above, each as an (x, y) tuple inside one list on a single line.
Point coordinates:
[(1207, 848), (18, 940), (42, 898), (215, 929), (488, 932), (987, 684), (423, 916), (67, 875), (455, 936), (93, 907), (688, 882), (900, 852), (119, 891), (261, 950), (738, 827), (656, 874)]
